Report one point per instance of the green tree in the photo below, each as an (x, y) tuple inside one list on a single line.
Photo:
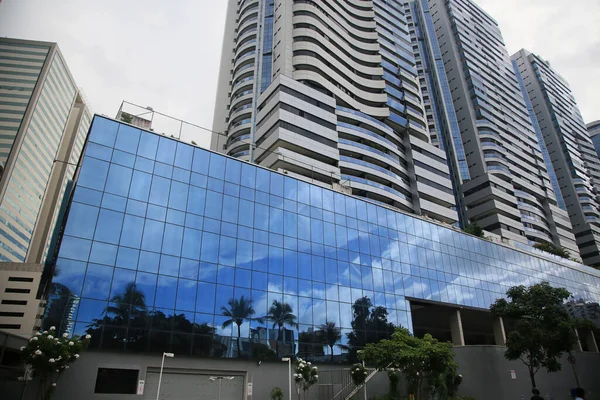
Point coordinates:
[(474, 229), (239, 310), (552, 249), (544, 329), (280, 314), (331, 334), (127, 118), (421, 359), (128, 305), (276, 393), (369, 325), (49, 356)]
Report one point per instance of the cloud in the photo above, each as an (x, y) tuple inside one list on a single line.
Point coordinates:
[(567, 36), (153, 53)]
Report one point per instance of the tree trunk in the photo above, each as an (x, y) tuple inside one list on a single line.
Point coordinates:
[(532, 377), (239, 341)]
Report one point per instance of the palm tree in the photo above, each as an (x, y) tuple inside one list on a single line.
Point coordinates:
[(280, 314), (239, 310), (331, 335), (128, 305)]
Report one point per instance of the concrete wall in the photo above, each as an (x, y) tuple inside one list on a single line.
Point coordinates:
[(487, 375), (264, 376)]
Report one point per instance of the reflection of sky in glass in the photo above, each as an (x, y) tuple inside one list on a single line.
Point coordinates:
[(212, 228)]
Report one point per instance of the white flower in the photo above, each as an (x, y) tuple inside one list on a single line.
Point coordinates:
[(65, 335), (38, 334), (52, 328), (314, 368), (22, 348), (76, 356), (66, 367), (308, 363), (45, 332), (460, 375), (56, 339), (38, 353), (57, 370), (366, 373), (52, 360), (54, 384), (71, 343), (316, 376), (88, 336), (50, 337)]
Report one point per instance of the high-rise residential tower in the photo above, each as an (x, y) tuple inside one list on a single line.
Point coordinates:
[(571, 150), (593, 129), (328, 92), (477, 113), (43, 124)]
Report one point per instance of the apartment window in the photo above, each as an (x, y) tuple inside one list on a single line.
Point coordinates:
[(19, 279), (13, 290), (11, 314), (116, 381), (10, 326), (15, 302)]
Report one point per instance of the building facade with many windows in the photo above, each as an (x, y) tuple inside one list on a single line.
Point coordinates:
[(43, 124), (468, 75), (163, 237), (329, 92), (572, 151), (593, 129)]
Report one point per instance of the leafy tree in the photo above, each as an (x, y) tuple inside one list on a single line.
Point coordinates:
[(50, 356), (239, 310), (331, 334), (474, 229), (280, 314), (276, 393), (421, 359), (129, 304), (305, 376), (127, 118), (552, 249), (544, 329), (369, 325)]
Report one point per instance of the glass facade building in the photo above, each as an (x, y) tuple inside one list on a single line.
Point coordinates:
[(161, 236)]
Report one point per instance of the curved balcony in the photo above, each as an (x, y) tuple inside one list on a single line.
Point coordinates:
[(377, 189), (239, 112), (233, 143), (239, 127), (377, 123), (246, 5), (244, 48), (365, 164), (242, 86), (370, 149), (242, 69), (247, 24), (382, 141), (241, 98)]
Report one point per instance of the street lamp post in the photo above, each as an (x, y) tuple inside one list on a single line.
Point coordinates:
[(365, 383), (289, 361), (162, 364), (220, 378)]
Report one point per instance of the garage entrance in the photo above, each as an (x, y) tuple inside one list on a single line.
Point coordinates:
[(191, 385)]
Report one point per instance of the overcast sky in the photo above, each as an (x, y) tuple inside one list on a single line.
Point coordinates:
[(165, 54)]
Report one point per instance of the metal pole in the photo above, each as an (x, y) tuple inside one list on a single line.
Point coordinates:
[(162, 364), (290, 377), (364, 384), (220, 379)]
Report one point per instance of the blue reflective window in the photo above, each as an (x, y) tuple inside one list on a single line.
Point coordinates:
[(201, 161), (127, 258), (104, 131), (128, 138), (93, 173), (109, 226), (153, 235), (166, 150), (186, 295), (148, 261), (103, 253), (248, 176), (216, 168), (205, 300), (159, 192), (82, 220), (97, 281), (166, 290), (178, 196), (148, 145), (184, 156), (173, 239)]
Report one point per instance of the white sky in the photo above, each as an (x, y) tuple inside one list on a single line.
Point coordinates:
[(166, 54)]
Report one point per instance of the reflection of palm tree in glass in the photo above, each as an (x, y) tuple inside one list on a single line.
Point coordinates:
[(238, 311), (128, 305), (331, 335), (281, 314)]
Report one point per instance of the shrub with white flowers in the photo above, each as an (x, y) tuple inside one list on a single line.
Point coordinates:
[(49, 356), (359, 373), (305, 376)]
